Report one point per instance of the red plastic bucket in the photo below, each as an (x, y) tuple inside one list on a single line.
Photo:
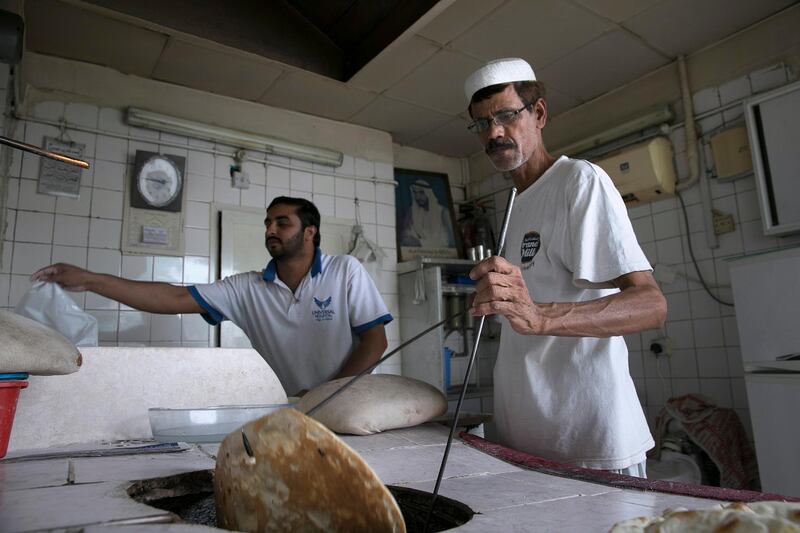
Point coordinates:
[(9, 393)]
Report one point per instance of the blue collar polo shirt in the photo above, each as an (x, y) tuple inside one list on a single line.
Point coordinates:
[(305, 336)]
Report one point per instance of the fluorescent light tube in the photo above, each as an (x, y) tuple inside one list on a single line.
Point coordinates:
[(237, 139)]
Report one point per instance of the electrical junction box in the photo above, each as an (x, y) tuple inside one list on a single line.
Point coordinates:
[(642, 173), (732, 157)]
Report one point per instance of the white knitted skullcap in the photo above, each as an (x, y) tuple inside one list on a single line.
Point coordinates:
[(498, 71)]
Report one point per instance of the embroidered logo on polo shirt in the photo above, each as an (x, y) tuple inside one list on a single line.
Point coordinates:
[(530, 246), (322, 312)]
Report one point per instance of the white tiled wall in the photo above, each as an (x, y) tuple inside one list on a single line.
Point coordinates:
[(706, 357), (87, 231)]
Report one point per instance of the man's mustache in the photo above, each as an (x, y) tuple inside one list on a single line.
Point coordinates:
[(499, 144), (273, 239)]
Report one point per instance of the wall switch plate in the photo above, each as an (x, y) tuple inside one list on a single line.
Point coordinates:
[(723, 222)]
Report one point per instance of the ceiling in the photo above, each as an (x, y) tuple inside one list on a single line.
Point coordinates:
[(393, 65)]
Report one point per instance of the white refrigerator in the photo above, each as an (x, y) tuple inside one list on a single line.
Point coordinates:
[(766, 292)]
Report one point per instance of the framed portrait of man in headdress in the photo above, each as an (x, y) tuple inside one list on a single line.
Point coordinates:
[(426, 223)]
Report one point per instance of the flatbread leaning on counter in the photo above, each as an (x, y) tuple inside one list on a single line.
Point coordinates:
[(31, 347), (374, 403)]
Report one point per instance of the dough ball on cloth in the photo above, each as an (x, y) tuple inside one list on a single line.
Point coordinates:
[(375, 403), (29, 346), (758, 517), (301, 477)]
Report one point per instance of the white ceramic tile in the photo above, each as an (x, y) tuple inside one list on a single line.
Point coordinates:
[(5, 288), (140, 146), (301, 180), (385, 215), (278, 177), (107, 322), (199, 188), (82, 114), (721, 189), (730, 243), (326, 204), (173, 138), (703, 306), (12, 196), (133, 326), (635, 364), (193, 328), (739, 393), (196, 242), (74, 255), (107, 204), (168, 269), (35, 133), (384, 171), (730, 331), (104, 261), (254, 196), (30, 200), (80, 206), (705, 100), (643, 228), (678, 307), (639, 211), (112, 149), (20, 284), (364, 168), (664, 205), (365, 190), (256, 171), (224, 193), (200, 163), (109, 175), (709, 126), (105, 233), (683, 363), (666, 225), (198, 215), (33, 227), (112, 120), (345, 208), (143, 133), (222, 167), (700, 248), (323, 184), (754, 238), (30, 257), (366, 213), (96, 302), (165, 328), (195, 269), (718, 390), (658, 392), (274, 192), (712, 362), (384, 193), (89, 140), (708, 333), (71, 230), (734, 90), (386, 237), (49, 110), (137, 267), (308, 195), (5, 259), (670, 251), (345, 188), (683, 386), (768, 78)]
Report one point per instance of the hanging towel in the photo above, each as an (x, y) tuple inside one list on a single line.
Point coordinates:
[(718, 432)]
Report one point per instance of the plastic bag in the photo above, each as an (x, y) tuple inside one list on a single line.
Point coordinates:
[(48, 304)]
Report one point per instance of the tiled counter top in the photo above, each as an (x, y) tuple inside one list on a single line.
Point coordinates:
[(34, 495)]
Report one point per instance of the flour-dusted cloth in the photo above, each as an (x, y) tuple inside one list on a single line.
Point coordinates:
[(719, 432), (570, 399)]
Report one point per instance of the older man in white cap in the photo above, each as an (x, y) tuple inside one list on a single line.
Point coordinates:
[(573, 281)]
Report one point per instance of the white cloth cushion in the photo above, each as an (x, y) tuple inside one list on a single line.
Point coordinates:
[(375, 403)]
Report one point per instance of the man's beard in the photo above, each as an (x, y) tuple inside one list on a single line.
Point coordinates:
[(505, 155), (286, 249)]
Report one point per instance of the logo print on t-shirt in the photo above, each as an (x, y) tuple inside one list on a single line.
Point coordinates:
[(323, 313), (530, 246)]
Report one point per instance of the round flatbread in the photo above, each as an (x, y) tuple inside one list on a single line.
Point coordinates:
[(375, 403), (758, 517), (301, 477)]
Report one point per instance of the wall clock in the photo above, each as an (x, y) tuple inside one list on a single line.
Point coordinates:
[(157, 182)]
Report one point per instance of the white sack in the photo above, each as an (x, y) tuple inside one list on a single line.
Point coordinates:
[(48, 304), (27, 346)]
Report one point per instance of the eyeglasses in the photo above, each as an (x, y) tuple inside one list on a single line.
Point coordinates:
[(502, 118)]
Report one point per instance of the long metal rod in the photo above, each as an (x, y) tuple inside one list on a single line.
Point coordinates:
[(379, 361), (43, 153), (512, 194)]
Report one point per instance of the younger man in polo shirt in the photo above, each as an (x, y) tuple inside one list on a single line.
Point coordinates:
[(311, 316)]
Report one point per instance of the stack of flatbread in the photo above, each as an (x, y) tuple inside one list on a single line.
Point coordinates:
[(757, 517)]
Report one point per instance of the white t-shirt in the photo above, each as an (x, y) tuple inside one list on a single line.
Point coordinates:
[(305, 337), (570, 399)]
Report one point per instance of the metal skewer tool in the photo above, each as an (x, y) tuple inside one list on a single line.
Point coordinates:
[(512, 195)]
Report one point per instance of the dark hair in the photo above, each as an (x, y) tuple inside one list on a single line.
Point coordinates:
[(528, 91), (306, 211)]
